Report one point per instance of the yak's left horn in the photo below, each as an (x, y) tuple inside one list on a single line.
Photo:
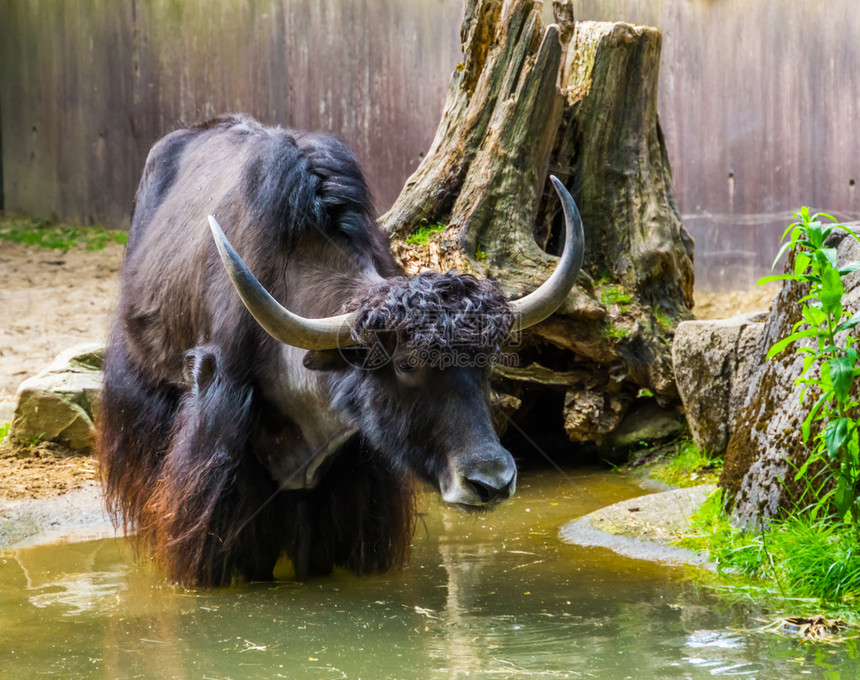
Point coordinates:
[(277, 320), (541, 303)]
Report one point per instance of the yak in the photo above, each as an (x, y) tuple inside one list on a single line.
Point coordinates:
[(281, 398)]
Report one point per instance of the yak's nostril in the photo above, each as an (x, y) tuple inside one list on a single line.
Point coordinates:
[(488, 492)]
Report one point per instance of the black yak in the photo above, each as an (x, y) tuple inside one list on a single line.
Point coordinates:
[(228, 438)]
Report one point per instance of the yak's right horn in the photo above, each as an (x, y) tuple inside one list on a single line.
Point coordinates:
[(277, 320)]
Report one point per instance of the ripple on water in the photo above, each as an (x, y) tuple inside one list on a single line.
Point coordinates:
[(711, 647)]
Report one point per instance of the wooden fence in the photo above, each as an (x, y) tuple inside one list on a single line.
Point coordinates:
[(86, 86), (759, 98)]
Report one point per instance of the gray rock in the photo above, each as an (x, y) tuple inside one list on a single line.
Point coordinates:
[(714, 363), (78, 515), (58, 404), (645, 422)]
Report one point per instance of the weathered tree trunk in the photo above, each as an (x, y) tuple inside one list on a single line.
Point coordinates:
[(579, 102)]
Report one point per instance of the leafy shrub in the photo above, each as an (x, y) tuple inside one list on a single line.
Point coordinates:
[(814, 552), (830, 360)]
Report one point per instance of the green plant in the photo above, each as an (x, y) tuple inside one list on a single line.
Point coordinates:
[(829, 348), (610, 331), (663, 319), (480, 253), (604, 277), (4, 431), (46, 234), (734, 551), (422, 235), (31, 441), (687, 466), (811, 553)]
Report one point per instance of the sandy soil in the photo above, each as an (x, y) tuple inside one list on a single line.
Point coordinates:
[(42, 472), (725, 305), (51, 300)]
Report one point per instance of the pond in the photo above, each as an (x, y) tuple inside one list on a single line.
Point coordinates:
[(485, 596)]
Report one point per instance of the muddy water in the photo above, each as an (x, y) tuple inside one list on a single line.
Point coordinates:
[(495, 596)]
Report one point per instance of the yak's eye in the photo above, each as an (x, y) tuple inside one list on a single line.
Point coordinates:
[(405, 365)]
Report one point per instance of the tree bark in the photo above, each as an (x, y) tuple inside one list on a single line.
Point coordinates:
[(580, 102)]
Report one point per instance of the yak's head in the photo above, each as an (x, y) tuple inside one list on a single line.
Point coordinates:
[(420, 387), (413, 363)]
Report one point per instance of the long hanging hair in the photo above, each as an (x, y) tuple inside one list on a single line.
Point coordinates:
[(179, 445)]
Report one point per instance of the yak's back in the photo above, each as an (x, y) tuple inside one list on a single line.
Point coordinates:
[(269, 188), (282, 182)]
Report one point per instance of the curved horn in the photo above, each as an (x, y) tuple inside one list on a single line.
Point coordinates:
[(276, 320), (539, 304)]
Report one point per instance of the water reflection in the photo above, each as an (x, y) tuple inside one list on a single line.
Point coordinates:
[(83, 583), (495, 596)]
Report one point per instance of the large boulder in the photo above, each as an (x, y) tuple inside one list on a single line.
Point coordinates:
[(765, 445), (58, 404), (714, 361)]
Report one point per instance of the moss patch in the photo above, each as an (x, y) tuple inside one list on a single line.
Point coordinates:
[(422, 235), (680, 465)]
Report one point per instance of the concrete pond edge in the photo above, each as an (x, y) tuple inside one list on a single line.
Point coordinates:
[(643, 527), (74, 516)]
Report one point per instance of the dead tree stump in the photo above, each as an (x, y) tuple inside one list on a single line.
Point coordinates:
[(579, 101)]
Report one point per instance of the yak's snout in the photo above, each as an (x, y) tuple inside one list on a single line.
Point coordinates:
[(480, 479)]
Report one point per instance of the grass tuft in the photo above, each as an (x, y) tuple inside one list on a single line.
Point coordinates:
[(422, 235), (663, 319), (55, 236), (802, 557), (615, 295), (688, 466), (612, 332)]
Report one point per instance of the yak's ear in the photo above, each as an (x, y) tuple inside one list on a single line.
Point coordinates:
[(325, 360)]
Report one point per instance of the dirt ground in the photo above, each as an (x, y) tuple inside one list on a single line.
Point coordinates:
[(51, 300)]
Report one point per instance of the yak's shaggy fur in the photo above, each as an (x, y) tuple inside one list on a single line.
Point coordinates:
[(184, 422), (198, 401), (433, 311)]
